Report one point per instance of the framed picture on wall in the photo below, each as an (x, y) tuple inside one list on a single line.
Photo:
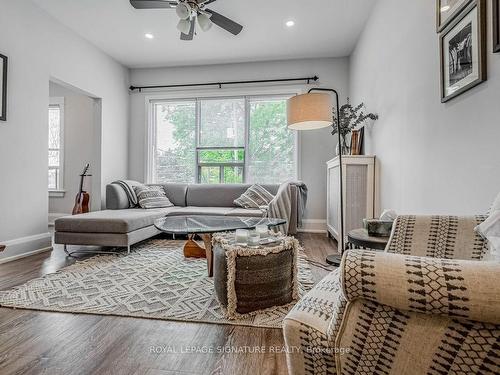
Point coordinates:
[(446, 10), (3, 88), (463, 51), (496, 25)]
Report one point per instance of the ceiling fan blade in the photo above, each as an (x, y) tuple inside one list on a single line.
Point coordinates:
[(204, 3), (224, 22), (191, 32), (153, 4)]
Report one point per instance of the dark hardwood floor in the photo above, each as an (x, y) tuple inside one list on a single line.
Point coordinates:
[(33, 342)]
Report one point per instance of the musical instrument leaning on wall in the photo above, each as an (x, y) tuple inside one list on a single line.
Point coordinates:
[(82, 200)]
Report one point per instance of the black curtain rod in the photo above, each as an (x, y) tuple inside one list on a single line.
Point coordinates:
[(220, 84)]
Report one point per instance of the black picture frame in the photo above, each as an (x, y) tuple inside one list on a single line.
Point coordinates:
[(481, 49), (440, 24), (3, 92), (496, 26)]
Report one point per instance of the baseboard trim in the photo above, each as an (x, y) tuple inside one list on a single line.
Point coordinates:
[(25, 246), (316, 231), (313, 226)]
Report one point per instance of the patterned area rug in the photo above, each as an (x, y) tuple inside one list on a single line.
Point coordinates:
[(155, 281)]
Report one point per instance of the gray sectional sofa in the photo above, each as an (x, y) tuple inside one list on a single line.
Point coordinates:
[(121, 226)]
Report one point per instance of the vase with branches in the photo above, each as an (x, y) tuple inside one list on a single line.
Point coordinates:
[(350, 118)]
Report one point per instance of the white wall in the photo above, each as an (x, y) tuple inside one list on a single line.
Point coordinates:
[(79, 145), (434, 158), (39, 48), (316, 147)]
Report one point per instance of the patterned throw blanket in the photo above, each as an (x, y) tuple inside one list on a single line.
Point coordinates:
[(301, 201), (281, 205), (128, 187)]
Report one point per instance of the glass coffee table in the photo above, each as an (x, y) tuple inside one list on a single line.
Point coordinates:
[(204, 226)]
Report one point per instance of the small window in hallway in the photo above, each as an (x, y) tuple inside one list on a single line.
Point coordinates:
[(56, 121)]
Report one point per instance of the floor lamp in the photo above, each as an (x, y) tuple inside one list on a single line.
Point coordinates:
[(313, 111)]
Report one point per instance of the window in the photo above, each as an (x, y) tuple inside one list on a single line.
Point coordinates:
[(174, 141), (221, 144), (221, 140), (271, 145), (56, 125)]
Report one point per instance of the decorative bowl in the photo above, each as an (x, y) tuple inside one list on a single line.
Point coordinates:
[(378, 228)]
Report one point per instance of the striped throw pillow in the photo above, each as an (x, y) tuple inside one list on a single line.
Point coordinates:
[(255, 197), (152, 196)]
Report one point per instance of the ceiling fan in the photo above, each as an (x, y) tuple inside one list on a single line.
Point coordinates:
[(189, 12)]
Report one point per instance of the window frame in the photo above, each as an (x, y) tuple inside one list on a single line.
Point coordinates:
[(58, 102), (189, 95), (199, 148), (221, 166)]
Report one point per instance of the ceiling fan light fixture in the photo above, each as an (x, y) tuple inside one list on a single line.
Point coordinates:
[(183, 10), (190, 10), (205, 22), (184, 26)]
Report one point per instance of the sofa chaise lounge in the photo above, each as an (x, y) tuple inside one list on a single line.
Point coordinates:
[(122, 226)]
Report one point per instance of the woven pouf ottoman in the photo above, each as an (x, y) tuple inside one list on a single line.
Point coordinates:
[(251, 279)]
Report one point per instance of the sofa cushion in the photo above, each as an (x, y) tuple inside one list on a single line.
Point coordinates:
[(111, 221), (219, 195), (176, 193), (313, 322)]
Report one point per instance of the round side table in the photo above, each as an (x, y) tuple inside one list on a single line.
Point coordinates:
[(359, 238)]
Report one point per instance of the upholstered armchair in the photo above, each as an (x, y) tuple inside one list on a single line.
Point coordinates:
[(427, 305)]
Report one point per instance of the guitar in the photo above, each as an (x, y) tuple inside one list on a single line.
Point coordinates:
[(82, 198)]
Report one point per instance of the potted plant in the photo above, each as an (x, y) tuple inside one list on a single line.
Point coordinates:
[(350, 119)]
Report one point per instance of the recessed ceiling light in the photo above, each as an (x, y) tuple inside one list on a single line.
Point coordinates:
[(149, 36), (445, 8), (290, 23)]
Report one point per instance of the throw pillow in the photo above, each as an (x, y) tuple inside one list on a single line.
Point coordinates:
[(495, 206), (490, 230), (152, 196), (255, 197)]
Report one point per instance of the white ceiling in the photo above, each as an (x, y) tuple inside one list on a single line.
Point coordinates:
[(323, 28)]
